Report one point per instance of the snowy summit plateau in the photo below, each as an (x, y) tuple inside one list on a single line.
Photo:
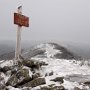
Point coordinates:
[(47, 66)]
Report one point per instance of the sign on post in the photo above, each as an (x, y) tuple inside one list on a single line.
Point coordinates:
[(19, 20)]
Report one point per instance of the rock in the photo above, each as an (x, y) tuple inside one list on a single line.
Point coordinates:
[(76, 88), (58, 88), (33, 63), (51, 85), (15, 68), (58, 79), (2, 87), (51, 73), (87, 82), (29, 63), (8, 73), (13, 80), (36, 75), (43, 63), (22, 76), (2, 84), (46, 74), (5, 68), (35, 82)]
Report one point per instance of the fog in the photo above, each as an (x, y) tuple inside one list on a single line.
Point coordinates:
[(61, 20)]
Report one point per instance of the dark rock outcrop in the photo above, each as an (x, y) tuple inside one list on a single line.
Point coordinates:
[(58, 79), (20, 77), (33, 63), (76, 88), (36, 75), (5, 68), (35, 82)]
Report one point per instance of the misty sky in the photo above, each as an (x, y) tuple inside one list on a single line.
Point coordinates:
[(61, 20)]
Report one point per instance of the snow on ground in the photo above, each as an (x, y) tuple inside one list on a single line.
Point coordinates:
[(12, 88), (62, 67), (70, 85), (50, 51), (6, 63), (2, 61), (59, 67), (6, 77)]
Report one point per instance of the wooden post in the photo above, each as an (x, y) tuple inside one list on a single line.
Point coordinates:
[(19, 20), (18, 42)]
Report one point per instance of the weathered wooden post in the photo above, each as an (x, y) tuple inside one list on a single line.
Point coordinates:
[(20, 20), (18, 42)]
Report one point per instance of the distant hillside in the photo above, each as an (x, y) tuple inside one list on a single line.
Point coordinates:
[(45, 49), (7, 49)]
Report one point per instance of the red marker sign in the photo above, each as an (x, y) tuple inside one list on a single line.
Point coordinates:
[(21, 20)]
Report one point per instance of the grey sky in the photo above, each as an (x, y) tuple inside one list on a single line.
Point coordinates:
[(61, 20)]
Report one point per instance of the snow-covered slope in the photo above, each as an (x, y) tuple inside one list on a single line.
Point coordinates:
[(75, 73), (49, 50), (79, 70)]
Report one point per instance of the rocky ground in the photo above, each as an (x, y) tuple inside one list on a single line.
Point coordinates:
[(45, 71), (24, 76)]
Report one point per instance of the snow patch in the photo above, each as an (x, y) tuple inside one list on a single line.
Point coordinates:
[(12, 88), (50, 50), (6, 63), (63, 68), (6, 77), (70, 85)]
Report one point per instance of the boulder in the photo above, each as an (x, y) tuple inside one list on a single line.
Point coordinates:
[(46, 88), (15, 68), (76, 88), (2, 84), (2, 87), (58, 79), (36, 75), (49, 73), (33, 63), (35, 82), (22, 76), (87, 82), (5, 68), (58, 88), (13, 80)]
